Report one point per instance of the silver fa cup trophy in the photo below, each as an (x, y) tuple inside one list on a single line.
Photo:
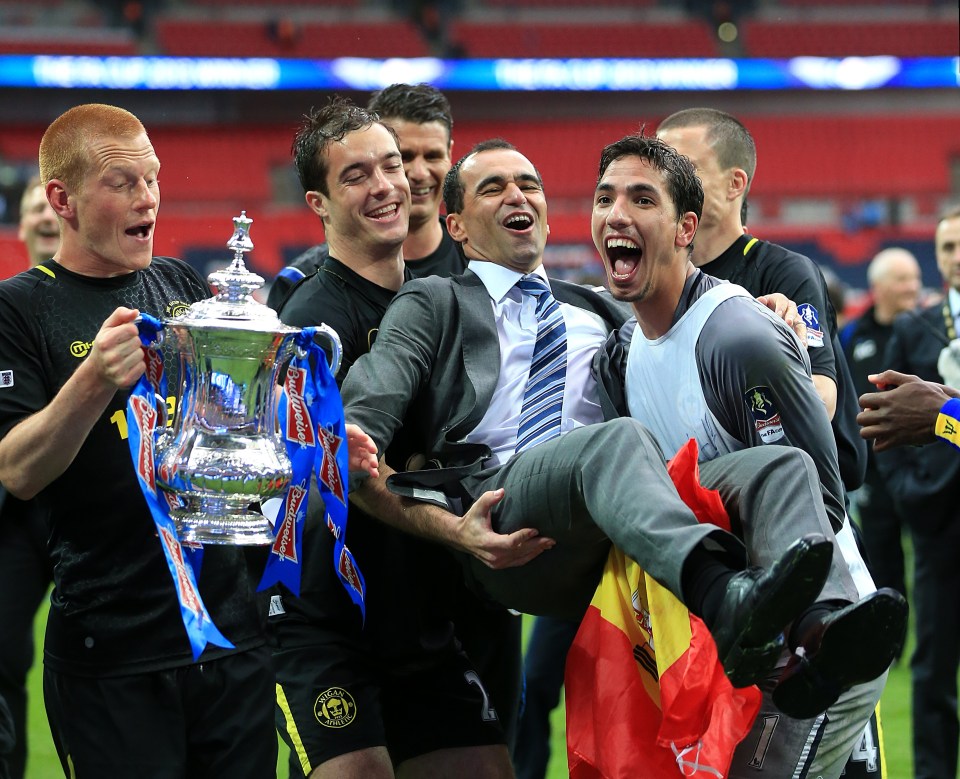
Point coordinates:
[(224, 453)]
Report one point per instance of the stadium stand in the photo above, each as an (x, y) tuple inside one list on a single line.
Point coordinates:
[(269, 38), (895, 36), (840, 180), (688, 38)]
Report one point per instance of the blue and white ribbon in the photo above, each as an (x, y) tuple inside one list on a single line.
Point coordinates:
[(312, 427), (312, 424), (142, 417)]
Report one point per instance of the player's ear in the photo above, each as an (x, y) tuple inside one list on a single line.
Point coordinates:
[(455, 228), (737, 183), (59, 198), (686, 229), (317, 203)]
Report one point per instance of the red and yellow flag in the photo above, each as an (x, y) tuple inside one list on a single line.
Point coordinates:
[(646, 696)]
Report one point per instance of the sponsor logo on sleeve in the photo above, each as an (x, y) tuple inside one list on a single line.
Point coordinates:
[(812, 320), (766, 417)]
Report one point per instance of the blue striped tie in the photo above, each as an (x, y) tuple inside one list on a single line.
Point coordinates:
[(543, 396)]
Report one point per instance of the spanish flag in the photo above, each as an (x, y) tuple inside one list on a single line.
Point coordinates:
[(646, 696)]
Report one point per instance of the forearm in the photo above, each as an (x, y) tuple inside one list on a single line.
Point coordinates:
[(41, 447), (411, 516), (827, 390)]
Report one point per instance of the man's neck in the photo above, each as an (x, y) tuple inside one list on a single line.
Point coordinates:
[(422, 240), (655, 315), (384, 270), (883, 314), (711, 243)]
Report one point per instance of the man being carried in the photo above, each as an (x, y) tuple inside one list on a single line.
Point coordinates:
[(490, 372), (703, 360)]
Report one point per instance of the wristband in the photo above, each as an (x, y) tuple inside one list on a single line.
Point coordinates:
[(948, 422)]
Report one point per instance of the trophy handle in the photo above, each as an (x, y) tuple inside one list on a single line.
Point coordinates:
[(337, 349)]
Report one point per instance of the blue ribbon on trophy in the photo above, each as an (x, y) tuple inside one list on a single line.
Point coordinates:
[(312, 427), (142, 418), (203, 479)]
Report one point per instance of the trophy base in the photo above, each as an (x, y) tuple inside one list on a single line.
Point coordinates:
[(217, 522)]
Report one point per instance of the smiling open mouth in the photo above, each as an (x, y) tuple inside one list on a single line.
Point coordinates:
[(624, 256), (518, 222), (383, 213)]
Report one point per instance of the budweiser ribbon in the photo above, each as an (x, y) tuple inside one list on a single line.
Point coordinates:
[(142, 417), (312, 427)]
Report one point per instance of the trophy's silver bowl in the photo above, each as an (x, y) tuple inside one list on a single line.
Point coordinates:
[(224, 453)]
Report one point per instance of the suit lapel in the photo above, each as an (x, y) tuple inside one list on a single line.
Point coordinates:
[(481, 345)]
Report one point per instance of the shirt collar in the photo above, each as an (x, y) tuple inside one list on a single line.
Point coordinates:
[(499, 280)]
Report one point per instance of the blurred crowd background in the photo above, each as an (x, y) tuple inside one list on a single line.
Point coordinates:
[(842, 174)]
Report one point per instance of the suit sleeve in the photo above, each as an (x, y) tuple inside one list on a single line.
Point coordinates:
[(383, 383)]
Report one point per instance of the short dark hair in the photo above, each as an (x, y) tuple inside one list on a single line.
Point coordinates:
[(453, 183), (320, 128), (419, 103), (680, 176), (727, 136)]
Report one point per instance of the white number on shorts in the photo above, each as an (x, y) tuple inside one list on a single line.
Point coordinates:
[(763, 743), (866, 750)]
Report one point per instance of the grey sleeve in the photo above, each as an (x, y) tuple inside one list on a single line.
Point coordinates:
[(383, 383), (756, 380)]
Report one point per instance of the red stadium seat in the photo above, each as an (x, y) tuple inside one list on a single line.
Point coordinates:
[(313, 40), (897, 37), (585, 39)]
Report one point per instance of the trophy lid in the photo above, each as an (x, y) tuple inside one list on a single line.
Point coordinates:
[(234, 305)]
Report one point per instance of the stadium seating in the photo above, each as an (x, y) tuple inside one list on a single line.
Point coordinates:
[(313, 40), (894, 36), (690, 38)]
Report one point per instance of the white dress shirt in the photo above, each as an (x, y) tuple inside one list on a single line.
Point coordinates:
[(516, 318)]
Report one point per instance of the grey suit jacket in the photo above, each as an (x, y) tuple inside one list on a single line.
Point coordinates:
[(434, 368)]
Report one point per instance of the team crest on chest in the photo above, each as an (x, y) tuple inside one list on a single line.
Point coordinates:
[(176, 308)]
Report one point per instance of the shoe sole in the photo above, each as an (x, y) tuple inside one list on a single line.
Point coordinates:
[(760, 644), (855, 649)]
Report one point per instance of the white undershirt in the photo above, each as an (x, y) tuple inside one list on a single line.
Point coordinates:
[(515, 314)]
